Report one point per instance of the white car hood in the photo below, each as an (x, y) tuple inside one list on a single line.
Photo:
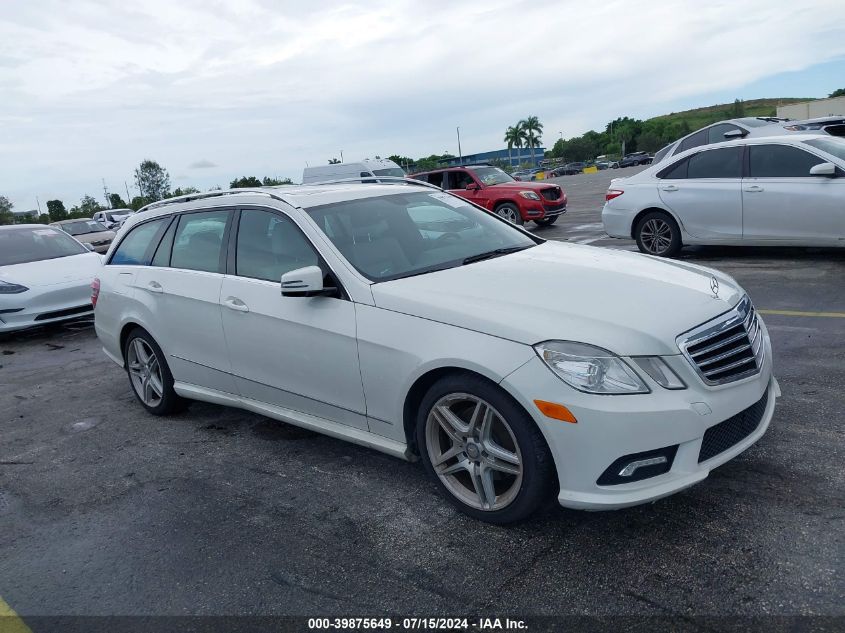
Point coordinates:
[(627, 303), (49, 272)]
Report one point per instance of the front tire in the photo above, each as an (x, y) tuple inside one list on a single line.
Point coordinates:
[(483, 450), (510, 212), (149, 374), (658, 234), (547, 221)]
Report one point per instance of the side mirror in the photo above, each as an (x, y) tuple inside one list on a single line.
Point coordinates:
[(89, 247), (473, 187), (305, 282), (734, 134), (823, 169)]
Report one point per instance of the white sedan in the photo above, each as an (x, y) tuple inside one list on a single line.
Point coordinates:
[(45, 276), (406, 319), (768, 191)]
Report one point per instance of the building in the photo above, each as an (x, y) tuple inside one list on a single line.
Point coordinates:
[(813, 109), (517, 157)]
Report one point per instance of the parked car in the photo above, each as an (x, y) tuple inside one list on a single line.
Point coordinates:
[(833, 125), (88, 232), (491, 188), (570, 169), (343, 171), (515, 369), (635, 158), (779, 190), (45, 276), (113, 218), (723, 131)]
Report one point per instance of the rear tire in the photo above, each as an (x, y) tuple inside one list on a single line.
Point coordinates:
[(658, 234), (510, 212), (483, 451), (547, 221), (149, 374)]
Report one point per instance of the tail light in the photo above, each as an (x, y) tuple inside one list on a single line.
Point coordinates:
[(95, 291), (612, 193)]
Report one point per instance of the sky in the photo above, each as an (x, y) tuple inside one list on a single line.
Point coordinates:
[(218, 89)]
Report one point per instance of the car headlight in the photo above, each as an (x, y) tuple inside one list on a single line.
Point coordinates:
[(659, 371), (7, 288), (529, 194), (590, 369)]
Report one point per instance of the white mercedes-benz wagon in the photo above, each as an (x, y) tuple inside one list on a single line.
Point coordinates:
[(403, 318)]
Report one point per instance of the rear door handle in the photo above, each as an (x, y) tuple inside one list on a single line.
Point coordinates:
[(754, 189), (669, 188), (154, 286), (233, 303)]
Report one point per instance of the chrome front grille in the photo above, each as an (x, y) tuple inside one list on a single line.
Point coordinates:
[(728, 348)]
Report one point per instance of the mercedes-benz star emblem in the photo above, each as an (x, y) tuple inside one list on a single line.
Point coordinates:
[(714, 286)]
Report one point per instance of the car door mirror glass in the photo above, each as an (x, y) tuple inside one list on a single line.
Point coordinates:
[(305, 282), (823, 169)]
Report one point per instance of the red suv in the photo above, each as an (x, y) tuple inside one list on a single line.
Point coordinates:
[(493, 189)]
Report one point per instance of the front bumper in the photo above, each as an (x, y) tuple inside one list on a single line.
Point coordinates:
[(541, 210), (610, 427), (49, 304)]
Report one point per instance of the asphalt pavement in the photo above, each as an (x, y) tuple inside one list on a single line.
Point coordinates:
[(105, 510)]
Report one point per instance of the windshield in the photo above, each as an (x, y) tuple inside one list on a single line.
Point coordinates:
[(23, 245), (399, 235), (390, 171), (82, 227), (833, 146), (491, 175)]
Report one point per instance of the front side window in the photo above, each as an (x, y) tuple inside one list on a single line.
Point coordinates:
[(833, 146), (459, 180), (198, 243), (402, 234), (24, 245), (696, 140), (134, 248), (716, 163), (780, 161), (661, 154), (270, 245)]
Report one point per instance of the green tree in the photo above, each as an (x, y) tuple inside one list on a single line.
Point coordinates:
[(138, 202), (533, 131), (186, 191), (116, 202), (514, 137), (56, 210), (89, 206), (840, 92), (275, 182), (334, 161), (6, 215), (737, 109), (153, 180), (246, 181)]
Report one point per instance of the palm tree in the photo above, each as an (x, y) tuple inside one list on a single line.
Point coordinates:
[(513, 137), (533, 130)]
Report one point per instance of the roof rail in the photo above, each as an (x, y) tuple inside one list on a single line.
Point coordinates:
[(208, 194), (376, 180)]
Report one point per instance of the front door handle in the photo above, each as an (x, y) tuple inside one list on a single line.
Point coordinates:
[(233, 303), (754, 189), (669, 188), (154, 286)]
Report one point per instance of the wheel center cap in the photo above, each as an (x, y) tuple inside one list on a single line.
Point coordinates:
[(472, 451)]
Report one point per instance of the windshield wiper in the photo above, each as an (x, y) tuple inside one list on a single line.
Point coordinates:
[(494, 253)]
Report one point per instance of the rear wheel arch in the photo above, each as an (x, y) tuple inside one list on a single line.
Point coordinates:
[(648, 210)]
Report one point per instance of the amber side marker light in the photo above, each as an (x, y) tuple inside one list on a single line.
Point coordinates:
[(555, 411)]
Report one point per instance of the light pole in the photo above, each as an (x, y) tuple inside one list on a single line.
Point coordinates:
[(460, 155), (341, 156)]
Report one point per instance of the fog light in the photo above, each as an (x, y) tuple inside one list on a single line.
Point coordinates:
[(632, 467), (638, 466)]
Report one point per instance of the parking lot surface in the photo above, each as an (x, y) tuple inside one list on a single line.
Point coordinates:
[(107, 510)]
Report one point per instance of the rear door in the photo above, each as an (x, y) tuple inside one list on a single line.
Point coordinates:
[(705, 192), (783, 202), (181, 288), (457, 181)]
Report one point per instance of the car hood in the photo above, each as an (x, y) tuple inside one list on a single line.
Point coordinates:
[(50, 272), (628, 303)]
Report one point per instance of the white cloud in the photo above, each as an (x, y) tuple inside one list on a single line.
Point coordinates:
[(90, 88)]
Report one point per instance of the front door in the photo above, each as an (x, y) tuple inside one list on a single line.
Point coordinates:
[(783, 202), (300, 353)]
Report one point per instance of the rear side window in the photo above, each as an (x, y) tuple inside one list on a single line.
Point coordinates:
[(676, 171), (716, 163), (780, 161), (134, 249), (661, 154), (697, 139), (270, 245), (198, 243), (435, 178), (716, 134), (162, 254)]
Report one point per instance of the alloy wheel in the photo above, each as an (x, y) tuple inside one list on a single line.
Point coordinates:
[(508, 213), (145, 372), (656, 236), (474, 451)]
